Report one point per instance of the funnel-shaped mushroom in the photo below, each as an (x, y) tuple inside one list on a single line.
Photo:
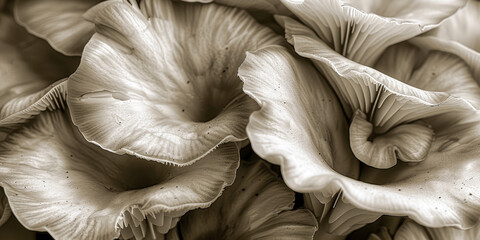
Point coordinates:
[(76, 190), (166, 73), (298, 129)]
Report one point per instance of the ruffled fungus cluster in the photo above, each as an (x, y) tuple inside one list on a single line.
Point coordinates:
[(220, 119)]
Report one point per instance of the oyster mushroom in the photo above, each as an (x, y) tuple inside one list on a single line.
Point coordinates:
[(77, 190), (167, 73), (29, 69), (362, 30), (406, 85), (302, 129), (257, 206)]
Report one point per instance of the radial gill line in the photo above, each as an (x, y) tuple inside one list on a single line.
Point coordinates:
[(374, 106), (136, 224), (349, 30)]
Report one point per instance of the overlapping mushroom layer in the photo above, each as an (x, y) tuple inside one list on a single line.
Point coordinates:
[(76, 190), (256, 206), (42, 18), (452, 36), (165, 72), (362, 30), (372, 127), (29, 69), (461, 27), (295, 130), (384, 112), (392, 104)]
